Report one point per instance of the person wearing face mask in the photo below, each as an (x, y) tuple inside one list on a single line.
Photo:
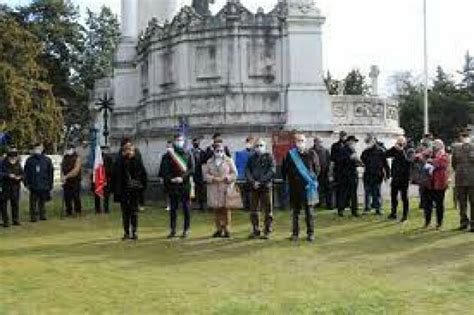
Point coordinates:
[(324, 156), (129, 178), (39, 177), (176, 170), (349, 178), (199, 183), (259, 173), (12, 173), (376, 169), (300, 169), (220, 175), (241, 159), (217, 137), (402, 160), (71, 170), (463, 165)]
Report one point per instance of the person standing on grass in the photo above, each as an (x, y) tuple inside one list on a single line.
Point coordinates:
[(437, 166), (129, 177), (300, 169), (463, 165), (220, 174), (71, 170), (103, 205), (259, 174), (400, 173), (241, 159), (200, 185), (176, 170), (376, 169), (336, 158), (12, 176), (39, 178), (324, 156), (349, 178)]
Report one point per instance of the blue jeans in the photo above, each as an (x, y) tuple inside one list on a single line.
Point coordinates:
[(373, 196)]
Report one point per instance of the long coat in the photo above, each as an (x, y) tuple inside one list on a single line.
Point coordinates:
[(124, 170), (217, 192), (463, 164)]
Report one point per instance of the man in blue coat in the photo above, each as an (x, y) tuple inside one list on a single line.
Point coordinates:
[(39, 176)]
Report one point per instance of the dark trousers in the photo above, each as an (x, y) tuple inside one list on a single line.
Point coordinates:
[(13, 197), (72, 200), (102, 204), (465, 195), (261, 201), (246, 191), (373, 196), (37, 206), (129, 208), (175, 200), (347, 195), (403, 191), (325, 191), (200, 191), (309, 216), (434, 198), (141, 198)]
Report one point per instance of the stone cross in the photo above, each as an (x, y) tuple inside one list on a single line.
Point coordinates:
[(374, 76)]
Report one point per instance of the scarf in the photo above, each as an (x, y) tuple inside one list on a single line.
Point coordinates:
[(310, 179)]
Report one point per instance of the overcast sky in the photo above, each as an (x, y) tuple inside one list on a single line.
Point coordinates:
[(359, 33)]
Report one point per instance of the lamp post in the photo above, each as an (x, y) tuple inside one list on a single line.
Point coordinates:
[(105, 105), (425, 57)]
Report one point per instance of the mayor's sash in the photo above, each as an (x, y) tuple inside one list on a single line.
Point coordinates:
[(179, 161), (312, 195)]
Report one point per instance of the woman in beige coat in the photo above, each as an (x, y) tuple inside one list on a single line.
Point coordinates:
[(220, 175)]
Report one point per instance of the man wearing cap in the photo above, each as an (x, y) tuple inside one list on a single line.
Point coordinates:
[(324, 156), (348, 178), (463, 165), (300, 169), (71, 170), (12, 173), (376, 169), (259, 174), (39, 177), (176, 169)]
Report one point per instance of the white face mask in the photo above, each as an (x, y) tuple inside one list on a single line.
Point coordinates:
[(219, 155), (179, 144), (70, 152), (466, 140), (38, 150), (260, 149)]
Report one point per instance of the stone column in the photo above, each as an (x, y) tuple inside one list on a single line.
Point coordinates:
[(308, 104), (129, 18), (374, 77)]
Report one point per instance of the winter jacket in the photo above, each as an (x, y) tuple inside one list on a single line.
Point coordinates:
[(169, 170), (440, 177), (125, 170), (260, 168), (463, 164), (401, 164), (376, 165), (39, 173), (217, 191)]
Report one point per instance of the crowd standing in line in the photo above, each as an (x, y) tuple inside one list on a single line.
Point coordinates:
[(314, 175)]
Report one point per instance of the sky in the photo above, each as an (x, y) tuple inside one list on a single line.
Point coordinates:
[(387, 33)]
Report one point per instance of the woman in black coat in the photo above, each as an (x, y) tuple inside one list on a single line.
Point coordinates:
[(129, 180)]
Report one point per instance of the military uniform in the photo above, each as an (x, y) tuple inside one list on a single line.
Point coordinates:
[(463, 165)]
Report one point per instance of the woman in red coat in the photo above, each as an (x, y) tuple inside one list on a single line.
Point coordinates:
[(438, 166)]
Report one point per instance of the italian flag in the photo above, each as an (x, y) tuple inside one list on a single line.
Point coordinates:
[(98, 178)]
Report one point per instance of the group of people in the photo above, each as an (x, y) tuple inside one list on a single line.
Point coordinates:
[(313, 174)]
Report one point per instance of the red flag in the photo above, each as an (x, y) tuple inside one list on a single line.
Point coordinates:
[(99, 179)]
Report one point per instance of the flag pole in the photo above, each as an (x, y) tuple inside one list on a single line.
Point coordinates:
[(425, 57)]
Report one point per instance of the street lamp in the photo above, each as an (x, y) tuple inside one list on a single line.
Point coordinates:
[(105, 105), (425, 34)]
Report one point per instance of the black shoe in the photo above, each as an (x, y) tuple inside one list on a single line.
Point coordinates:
[(171, 235), (125, 237), (378, 212), (355, 215), (16, 223), (471, 230), (185, 234), (392, 217), (403, 220), (266, 236), (340, 213), (217, 234), (43, 219), (310, 238), (6, 225), (33, 220)]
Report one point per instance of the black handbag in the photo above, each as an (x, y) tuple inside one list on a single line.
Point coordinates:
[(134, 185)]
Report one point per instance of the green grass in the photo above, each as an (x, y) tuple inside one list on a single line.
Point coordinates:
[(356, 266)]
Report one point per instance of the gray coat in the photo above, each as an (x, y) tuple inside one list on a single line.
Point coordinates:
[(463, 164)]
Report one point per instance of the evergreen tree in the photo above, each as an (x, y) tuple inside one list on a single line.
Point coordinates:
[(354, 84)]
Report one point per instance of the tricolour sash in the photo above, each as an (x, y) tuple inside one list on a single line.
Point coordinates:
[(179, 161), (312, 196)]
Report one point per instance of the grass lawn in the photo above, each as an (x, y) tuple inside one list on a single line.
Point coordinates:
[(356, 266)]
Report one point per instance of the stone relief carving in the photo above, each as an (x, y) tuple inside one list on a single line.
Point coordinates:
[(372, 110), (392, 112), (340, 109)]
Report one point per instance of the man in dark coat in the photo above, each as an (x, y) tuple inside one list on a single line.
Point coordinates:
[(241, 160), (348, 179), (71, 171), (39, 177), (376, 169), (12, 176), (298, 185), (199, 184), (103, 205), (463, 165), (336, 159), (400, 173), (176, 169), (324, 156), (217, 137), (128, 178), (259, 174)]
